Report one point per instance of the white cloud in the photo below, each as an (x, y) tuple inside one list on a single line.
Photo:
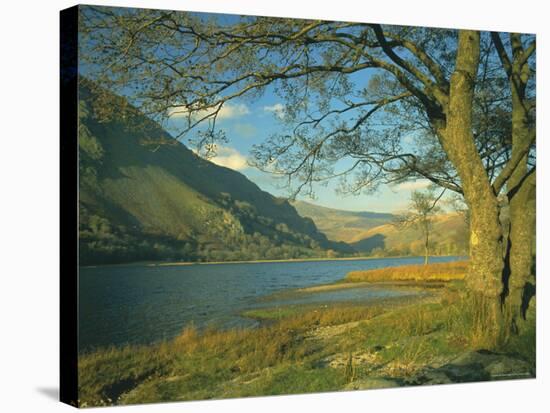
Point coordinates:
[(413, 185), (277, 109), (233, 111), (228, 111), (230, 158)]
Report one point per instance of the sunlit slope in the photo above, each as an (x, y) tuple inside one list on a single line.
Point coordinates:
[(340, 225), (372, 232), (143, 195), (447, 236)]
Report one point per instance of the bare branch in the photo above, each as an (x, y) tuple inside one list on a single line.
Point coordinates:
[(503, 56)]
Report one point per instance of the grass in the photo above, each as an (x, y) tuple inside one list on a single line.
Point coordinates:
[(438, 272), (300, 349), (307, 316), (201, 365)]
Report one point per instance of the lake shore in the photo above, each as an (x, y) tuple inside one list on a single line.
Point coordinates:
[(302, 349), (169, 264), (435, 275), (319, 259), (205, 295), (343, 285)]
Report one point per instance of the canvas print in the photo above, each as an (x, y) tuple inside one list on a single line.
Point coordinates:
[(276, 206)]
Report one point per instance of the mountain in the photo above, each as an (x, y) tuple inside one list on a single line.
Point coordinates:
[(145, 196), (373, 233), (449, 236), (340, 225)]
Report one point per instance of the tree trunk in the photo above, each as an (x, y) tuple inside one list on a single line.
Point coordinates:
[(426, 247), (486, 267), (522, 240), (486, 240), (521, 189), (522, 200)]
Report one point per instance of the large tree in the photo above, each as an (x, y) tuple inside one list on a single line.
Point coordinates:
[(373, 104)]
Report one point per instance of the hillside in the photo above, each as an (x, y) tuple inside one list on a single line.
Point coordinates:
[(340, 225), (374, 233), (145, 196), (448, 236)]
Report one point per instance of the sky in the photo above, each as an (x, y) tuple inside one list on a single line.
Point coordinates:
[(248, 122)]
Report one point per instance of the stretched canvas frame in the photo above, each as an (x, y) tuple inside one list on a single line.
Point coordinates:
[(497, 341)]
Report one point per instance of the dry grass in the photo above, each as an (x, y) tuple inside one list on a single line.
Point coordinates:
[(297, 351), (271, 343), (439, 272), (203, 359)]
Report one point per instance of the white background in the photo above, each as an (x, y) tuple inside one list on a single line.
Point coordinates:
[(29, 205)]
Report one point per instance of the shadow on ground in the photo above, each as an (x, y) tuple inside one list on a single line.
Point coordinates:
[(475, 366)]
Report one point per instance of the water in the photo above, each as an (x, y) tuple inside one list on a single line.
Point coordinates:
[(143, 304)]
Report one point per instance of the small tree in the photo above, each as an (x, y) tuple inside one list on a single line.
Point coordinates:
[(422, 209)]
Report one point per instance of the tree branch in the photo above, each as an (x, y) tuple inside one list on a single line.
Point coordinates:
[(512, 164), (431, 87), (501, 51)]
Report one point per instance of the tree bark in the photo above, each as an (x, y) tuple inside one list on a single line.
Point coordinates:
[(522, 200), (486, 239), (521, 188), (522, 244)]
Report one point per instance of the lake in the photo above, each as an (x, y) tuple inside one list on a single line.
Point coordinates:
[(141, 304)]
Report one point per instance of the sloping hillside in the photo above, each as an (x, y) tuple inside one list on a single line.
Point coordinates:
[(448, 236), (145, 196), (374, 233), (339, 225)]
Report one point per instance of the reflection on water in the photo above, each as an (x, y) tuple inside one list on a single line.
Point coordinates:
[(143, 304)]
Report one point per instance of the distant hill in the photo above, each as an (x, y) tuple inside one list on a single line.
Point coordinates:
[(340, 225), (449, 235), (373, 233), (145, 196)]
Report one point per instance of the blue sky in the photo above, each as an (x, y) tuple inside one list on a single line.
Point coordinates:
[(251, 122), (248, 122)]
